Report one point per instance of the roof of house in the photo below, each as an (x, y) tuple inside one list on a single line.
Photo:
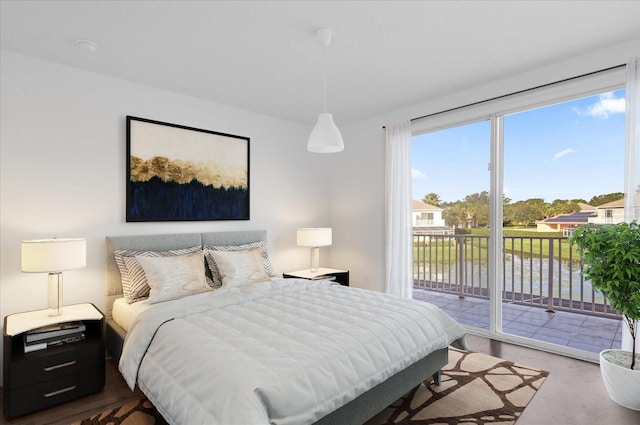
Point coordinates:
[(419, 205), (613, 204), (579, 217), (586, 207)]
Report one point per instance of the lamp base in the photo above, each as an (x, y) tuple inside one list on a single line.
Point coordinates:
[(315, 259), (55, 294)]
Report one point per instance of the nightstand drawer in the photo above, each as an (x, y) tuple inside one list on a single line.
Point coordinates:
[(50, 393), (52, 363)]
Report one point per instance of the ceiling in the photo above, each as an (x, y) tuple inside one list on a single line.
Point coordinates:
[(263, 56)]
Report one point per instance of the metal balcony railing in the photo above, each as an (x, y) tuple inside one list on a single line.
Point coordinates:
[(539, 271)]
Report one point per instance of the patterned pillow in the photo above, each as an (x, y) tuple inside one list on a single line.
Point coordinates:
[(239, 267), (175, 276), (215, 273), (134, 283)]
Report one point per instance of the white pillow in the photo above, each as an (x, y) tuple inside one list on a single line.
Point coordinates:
[(174, 277), (134, 283), (215, 273), (240, 267)]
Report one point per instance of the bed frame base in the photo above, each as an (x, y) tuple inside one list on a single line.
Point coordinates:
[(368, 404), (114, 340)]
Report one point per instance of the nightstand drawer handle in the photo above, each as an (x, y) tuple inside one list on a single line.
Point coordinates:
[(59, 366), (62, 391)]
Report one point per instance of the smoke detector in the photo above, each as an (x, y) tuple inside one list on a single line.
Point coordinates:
[(86, 45)]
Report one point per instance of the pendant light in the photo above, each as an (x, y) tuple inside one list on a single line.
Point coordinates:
[(325, 136)]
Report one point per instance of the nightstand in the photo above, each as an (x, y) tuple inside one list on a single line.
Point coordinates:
[(340, 276), (45, 377)]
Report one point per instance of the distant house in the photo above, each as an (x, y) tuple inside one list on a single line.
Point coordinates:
[(566, 222), (609, 213), (427, 219)]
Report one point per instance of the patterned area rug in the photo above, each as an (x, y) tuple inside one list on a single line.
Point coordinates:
[(140, 412), (475, 389)]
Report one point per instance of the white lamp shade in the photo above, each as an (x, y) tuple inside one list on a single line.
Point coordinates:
[(325, 136), (314, 236), (53, 255)]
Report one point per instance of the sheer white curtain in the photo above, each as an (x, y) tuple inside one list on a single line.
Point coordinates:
[(398, 222), (632, 162)]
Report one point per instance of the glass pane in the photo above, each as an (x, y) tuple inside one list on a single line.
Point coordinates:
[(564, 166), (451, 185)]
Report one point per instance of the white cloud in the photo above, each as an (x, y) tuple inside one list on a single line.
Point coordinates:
[(605, 106), (563, 153), (417, 174)]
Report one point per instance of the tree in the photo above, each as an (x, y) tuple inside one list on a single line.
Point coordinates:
[(561, 206), (432, 199), (477, 208), (605, 199), (525, 212), (611, 255), (453, 214)]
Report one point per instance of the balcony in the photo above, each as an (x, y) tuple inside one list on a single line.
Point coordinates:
[(544, 295), (607, 220)]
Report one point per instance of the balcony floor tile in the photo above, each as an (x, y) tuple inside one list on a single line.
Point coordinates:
[(572, 329), (565, 335)]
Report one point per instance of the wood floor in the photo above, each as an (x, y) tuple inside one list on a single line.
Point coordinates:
[(572, 394)]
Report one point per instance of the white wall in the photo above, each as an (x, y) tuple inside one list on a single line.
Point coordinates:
[(62, 172)]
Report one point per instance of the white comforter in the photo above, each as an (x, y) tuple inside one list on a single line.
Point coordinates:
[(279, 352)]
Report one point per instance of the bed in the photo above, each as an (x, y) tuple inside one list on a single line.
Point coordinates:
[(320, 336)]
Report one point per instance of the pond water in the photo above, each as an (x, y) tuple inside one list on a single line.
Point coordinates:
[(527, 275)]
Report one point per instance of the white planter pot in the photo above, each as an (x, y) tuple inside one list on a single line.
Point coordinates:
[(622, 383)]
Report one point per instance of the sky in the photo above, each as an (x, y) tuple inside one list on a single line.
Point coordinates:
[(569, 150)]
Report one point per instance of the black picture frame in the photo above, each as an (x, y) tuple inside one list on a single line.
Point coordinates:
[(181, 173)]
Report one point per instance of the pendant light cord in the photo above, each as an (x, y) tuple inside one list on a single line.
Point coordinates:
[(324, 81)]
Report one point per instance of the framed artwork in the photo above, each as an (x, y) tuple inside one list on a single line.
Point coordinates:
[(179, 173)]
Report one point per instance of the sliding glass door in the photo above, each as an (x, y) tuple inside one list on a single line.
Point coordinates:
[(498, 189)]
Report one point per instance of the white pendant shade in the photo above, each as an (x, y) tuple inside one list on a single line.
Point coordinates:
[(325, 136)]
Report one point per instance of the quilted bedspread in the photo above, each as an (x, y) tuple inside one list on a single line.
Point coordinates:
[(278, 352)]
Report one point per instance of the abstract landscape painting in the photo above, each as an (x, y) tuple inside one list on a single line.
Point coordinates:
[(179, 173)]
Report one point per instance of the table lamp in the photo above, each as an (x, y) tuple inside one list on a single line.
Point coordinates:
[(314, 237), (53, 256)]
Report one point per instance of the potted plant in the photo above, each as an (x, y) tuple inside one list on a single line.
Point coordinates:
[(611, 258)]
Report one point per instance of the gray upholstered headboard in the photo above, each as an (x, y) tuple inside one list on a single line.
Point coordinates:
[(113, 286)]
